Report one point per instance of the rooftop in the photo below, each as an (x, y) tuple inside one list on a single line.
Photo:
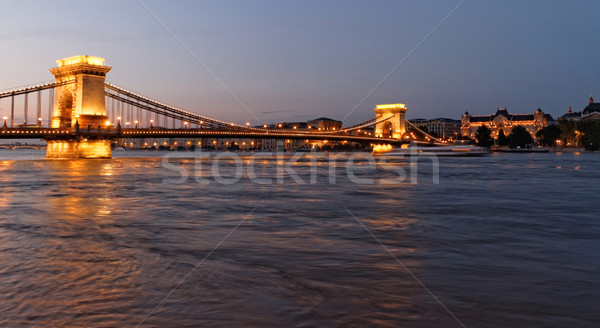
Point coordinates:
[(592, 107), (324, 119)]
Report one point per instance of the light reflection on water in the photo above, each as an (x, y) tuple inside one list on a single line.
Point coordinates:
[(504, 240)]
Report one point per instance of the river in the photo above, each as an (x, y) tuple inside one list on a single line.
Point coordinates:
[(173, 239)]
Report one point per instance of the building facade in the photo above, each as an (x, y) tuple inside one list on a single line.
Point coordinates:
[(505, 121), (444, 128)]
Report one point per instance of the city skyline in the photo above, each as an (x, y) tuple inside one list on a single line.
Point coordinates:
[(288, 61)]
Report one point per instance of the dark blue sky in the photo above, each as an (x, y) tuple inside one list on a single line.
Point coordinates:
[(297, 60)]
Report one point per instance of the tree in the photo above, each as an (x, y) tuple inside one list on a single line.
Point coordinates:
[(519, 137), (549, 134), (589, 134), (502, 139), (484, 136), (568, 129)]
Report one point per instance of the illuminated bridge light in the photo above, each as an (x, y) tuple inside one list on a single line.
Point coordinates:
[(91, 60), (391, 106)]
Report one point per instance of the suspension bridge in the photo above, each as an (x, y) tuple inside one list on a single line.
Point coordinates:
[(85, 114)]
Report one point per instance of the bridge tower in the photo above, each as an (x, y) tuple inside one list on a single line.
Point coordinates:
[(394, 127), (79, 104), (83, 100)]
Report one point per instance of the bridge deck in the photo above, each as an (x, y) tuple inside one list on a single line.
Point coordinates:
[(112, 133)]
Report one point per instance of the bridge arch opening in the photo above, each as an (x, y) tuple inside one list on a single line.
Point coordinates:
[(387, 129), (64, 110)]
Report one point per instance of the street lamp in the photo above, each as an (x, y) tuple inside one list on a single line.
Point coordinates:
[(39, 121), (136, 124), (151, 123), (185, 125), (5, 118)]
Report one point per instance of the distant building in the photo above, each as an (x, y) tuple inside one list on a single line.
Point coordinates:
[(571, 115), (324, 124), (503, 120), (291, 125), (442, 127), (590, 112)]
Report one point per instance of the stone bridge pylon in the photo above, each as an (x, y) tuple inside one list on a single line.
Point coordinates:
[(394, 127)]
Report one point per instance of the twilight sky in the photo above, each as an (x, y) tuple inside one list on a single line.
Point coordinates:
[(298, 60)]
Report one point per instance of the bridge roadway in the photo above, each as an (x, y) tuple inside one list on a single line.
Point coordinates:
[(113, 133)]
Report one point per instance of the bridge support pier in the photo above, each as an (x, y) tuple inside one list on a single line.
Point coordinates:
[(78, 148)]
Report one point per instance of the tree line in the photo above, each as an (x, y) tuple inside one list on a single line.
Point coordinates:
[(565, 133)]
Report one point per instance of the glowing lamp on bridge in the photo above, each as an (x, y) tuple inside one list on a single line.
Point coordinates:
[(391, 106)]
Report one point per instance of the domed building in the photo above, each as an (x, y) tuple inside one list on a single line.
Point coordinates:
[(590, 112)]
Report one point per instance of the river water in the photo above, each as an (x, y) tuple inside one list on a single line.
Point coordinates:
[(507, 240)]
